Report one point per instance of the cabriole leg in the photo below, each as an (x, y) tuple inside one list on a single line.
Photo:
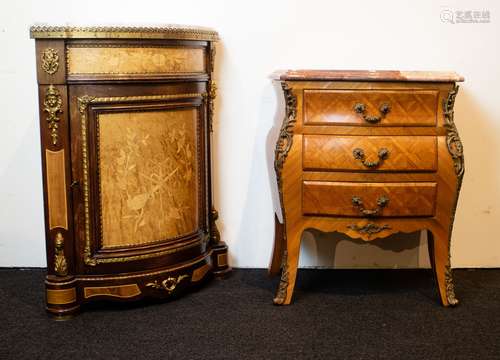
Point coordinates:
[(439, 254), (289, 268), (279, 242)]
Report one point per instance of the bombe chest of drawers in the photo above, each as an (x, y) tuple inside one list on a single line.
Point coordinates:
[(367, 154), (125, 121)]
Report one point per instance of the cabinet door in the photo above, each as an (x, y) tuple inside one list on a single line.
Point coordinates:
[(138, 155)]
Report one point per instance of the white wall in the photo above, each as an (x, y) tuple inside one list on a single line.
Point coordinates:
[(259, 37)]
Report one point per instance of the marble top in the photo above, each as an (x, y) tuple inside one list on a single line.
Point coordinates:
[(168, 31), (366, 75)]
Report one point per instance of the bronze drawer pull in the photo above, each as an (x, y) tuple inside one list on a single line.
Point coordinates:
[(382, 201), (369, 229), (168, 284), (384, 109), (359, 154)]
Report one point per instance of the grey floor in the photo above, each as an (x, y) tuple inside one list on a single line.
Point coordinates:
[(344, 314)]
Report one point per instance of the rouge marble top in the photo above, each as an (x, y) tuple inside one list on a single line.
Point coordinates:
[(366, 75)]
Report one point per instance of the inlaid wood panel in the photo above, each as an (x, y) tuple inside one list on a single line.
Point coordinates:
[(117, 291), (123, 60), (56, 189), (391, 199), (147, 175), (200, 272), (406, 107), (63, 296), (370, 153)]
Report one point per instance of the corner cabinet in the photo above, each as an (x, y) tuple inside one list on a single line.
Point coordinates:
[(125, 122)]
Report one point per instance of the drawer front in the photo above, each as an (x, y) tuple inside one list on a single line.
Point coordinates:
[(371, 107), (370, 153), (132, 60), (368, 199)]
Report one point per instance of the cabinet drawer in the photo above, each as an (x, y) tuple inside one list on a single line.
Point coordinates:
[(370, 153), (131, 59), (368, 199), (371, 107)]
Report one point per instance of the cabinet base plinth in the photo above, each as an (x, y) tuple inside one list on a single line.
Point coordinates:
[(63, 315), (221, 268), (66, 295), (61, 297)]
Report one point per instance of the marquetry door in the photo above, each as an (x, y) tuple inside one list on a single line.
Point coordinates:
[(139, 174)]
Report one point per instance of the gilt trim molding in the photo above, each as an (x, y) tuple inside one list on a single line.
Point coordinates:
[(369, 229), (52, 105), (456, 150), (283, 146), (455, 147), (212, 94), (285, 138), (123, 32), (169, 284), (50, 61), (60, 263), (280, 297)]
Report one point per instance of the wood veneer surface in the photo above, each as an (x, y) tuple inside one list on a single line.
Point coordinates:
[(147, 175)]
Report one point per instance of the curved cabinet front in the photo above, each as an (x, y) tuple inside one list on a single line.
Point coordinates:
[(139, 161)]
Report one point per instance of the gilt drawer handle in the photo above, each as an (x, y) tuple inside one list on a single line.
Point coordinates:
[(382, 201), (359, 154), (384, 109), (369, 229)]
